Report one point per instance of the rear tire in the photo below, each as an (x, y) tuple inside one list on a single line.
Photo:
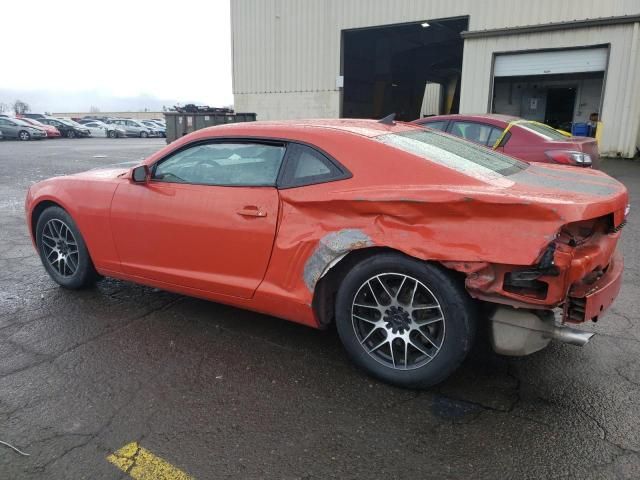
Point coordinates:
[(112, 134), (406, 322), (63, 251)]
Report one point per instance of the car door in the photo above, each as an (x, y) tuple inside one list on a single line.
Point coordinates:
[(8, 128), (96, 129), (206, 219), (132, 128), (59, 125)]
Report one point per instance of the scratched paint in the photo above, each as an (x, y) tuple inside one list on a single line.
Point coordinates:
[(331, 247), (141, 464)]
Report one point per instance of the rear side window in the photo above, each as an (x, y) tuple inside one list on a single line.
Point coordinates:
[(305, 166), (437, 125), (476, 132), (453, 153)]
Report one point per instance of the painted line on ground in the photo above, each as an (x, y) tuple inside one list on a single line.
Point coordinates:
[(140, 464)]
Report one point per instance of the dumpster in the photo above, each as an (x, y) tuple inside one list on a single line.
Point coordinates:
[(182, 123)]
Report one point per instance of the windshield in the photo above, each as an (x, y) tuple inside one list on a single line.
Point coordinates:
[(452, 152), (544, 130)]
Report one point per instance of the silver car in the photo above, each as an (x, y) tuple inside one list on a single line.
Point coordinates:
[(16, 128), (133, 128), (101, 129)]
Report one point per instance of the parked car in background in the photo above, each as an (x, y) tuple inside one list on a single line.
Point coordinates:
[(36, 116), (68, 128), (523, 139), (156, 129), (133, 128), (52, 132), (16, 128), (294, 236), (101, 129)]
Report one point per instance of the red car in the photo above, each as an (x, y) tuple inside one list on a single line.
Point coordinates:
[(523, 139), (405, 237), (52, 132)]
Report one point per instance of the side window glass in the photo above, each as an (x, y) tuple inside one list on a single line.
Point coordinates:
[(226, 164), (306, 166), (437, 125), (493, 136), (475, 132)]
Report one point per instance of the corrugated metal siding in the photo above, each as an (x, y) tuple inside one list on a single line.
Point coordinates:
[(294, 45)]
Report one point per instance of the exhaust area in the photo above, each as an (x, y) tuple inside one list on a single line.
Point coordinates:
[(572, 336), (519, 332)]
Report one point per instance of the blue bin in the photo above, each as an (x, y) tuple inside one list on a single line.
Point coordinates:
[(580, 130)]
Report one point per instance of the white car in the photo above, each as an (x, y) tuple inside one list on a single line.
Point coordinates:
[(101, 129)]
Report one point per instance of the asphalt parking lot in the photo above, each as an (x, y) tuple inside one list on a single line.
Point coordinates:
[(224, 393)]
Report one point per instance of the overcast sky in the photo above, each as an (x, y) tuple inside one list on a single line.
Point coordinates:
[(74, 53)]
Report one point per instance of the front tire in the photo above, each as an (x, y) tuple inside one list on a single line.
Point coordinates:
[(71, 134), (24, 135), (111, 134), (144, 134), (406, 322), (63, 251)]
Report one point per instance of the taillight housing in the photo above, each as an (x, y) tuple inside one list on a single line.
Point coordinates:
[(569, 157)]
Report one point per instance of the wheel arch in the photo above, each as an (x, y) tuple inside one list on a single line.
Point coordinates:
[(37, 210), (324, 293)]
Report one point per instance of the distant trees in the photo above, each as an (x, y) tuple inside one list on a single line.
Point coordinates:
[(20, 107)]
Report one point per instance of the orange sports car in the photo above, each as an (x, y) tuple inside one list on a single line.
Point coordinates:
[(408, 239)]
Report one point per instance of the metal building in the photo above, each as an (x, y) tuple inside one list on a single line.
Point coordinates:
[(554, 61)]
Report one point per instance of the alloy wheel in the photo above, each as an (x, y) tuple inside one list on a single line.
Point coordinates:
[(60, 247), (398, 321)]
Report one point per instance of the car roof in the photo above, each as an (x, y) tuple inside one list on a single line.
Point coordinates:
[(491, 117), (362, 127)]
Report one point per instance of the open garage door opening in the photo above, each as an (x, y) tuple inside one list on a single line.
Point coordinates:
[(410, 69), (562, 88)]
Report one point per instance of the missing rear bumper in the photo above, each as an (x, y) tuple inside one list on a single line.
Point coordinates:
[(519, 332)]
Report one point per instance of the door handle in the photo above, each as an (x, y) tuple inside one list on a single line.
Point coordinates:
[(252, 211)]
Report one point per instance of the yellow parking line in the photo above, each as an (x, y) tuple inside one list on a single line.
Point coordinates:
[(141, 464)]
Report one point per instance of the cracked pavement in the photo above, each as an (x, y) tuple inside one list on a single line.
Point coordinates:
[(225, 393)]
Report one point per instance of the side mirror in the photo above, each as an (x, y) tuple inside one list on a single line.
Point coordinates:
[(140, 174)]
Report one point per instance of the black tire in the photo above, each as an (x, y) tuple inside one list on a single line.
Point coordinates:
[(85, 273), (24, 135), (112, 134), (456, 329), (71, 134), (144, 134)]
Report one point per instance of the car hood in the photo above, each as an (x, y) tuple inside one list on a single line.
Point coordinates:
[(107, 172)]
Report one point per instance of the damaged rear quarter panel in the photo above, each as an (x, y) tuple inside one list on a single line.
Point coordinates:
[(317, 228)]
